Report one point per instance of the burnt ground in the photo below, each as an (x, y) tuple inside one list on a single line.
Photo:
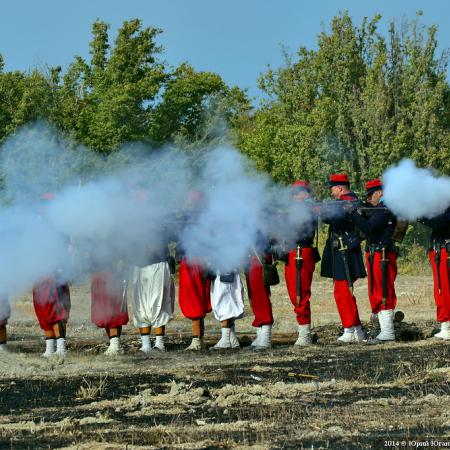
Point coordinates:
[(326, 396)]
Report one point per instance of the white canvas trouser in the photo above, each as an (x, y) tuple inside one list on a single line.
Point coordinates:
[(153, 295), (227, 299)]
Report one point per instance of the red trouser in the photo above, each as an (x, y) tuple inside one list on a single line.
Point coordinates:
[(193, 291), (376, 294), (51, 303), (260, 294), (346, 304), (442, 299), (303, 308), (108, 305)]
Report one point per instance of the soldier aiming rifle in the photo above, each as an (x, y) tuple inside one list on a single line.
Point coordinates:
[(439, 255), (300, 264), (380, 228), (342, 259)]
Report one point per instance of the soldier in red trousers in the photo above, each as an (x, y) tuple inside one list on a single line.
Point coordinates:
[(258, 287), (194, 285), (342, 258), (439, 255), (51, 301), (109, 308), (194, 298), (378, 225), (301, 263)]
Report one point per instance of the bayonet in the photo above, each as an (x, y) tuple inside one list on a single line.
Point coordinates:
[(343, 250), (384, 262), (298, 267)]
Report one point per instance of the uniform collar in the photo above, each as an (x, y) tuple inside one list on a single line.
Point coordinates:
[(348, 196)]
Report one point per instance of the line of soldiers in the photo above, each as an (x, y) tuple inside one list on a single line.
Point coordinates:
[(350, 222), (200, 291)]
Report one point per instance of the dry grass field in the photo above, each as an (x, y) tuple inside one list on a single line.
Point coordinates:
[(325, 396)]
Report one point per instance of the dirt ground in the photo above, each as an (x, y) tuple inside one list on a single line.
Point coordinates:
[(325, 396)]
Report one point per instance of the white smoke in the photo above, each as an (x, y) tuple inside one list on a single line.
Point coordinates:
[(242, 212), (288, 221), (96, 221), (38, 159), (411, 192), (94, 214), (30, 249), (226, 228)]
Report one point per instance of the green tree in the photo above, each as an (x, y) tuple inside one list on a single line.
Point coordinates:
[(24, 98), (196, 108), (108, 100), (358, 103), (125, 94)]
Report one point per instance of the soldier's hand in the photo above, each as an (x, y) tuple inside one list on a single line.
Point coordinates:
[(349, 206)]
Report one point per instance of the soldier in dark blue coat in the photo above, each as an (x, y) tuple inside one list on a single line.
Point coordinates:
[(342, 258), (439, 255)]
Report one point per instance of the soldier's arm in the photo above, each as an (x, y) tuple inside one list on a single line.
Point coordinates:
[(374, 222), (362, 222), (439, 221), (331, 211)]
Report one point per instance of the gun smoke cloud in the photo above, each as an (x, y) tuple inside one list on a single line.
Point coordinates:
[(97, 219), (232, 213), (411, 192)]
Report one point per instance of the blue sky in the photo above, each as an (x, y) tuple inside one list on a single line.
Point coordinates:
[(235, 38)]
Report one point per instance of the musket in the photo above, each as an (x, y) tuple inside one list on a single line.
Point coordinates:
[(298, 267), (321, 207), (343, 250), (350, 205), (370, 210), (384, 262)]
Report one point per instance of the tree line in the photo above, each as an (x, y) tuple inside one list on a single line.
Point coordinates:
[(362, 100), (359, 102), (124, 93)]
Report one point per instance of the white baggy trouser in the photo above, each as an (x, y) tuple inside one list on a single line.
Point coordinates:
[(227, 299), (153, 295)]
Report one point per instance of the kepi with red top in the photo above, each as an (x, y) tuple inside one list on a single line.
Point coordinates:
[(300, 185), (372, 186), (141, 196), (194, 197), (338, 179), (47, 196)]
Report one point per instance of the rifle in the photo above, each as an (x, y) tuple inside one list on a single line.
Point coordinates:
[(368, 210), (349, 206)]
